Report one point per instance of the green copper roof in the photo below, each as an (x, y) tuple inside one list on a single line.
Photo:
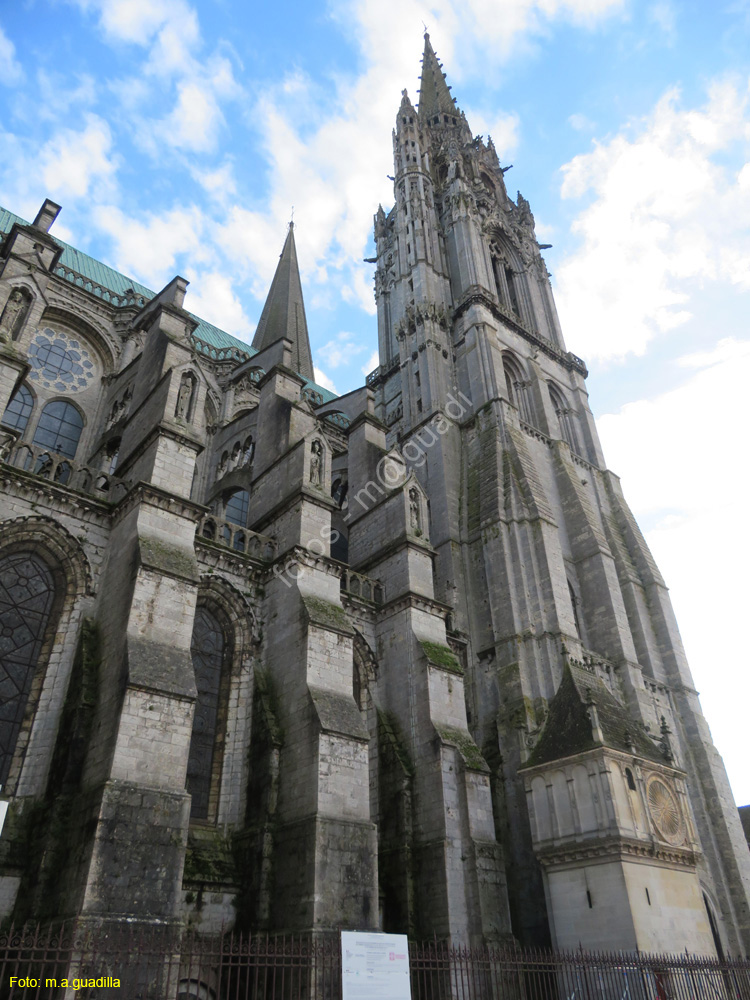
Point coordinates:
[(108, 284)]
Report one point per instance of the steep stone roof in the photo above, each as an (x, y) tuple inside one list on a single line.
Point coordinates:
[(284, 312), (118, 289), (434, 93), (568, 727)]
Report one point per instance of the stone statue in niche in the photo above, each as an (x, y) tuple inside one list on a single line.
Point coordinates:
[(184, 397), (13, 316), (415, 512), (234, 460), (222, 470), (316, 463), (248, 451)]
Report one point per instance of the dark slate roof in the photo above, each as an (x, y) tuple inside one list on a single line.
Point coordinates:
[(284, 312), (568, 728), (111, 286), (434, 93)]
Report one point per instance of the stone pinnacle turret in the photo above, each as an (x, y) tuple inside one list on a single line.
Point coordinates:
[(284, 312)]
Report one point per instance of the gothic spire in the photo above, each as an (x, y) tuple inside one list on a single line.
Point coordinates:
[(434, 93), (284, 312)]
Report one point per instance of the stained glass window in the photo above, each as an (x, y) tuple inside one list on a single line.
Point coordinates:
[(26, 598), (236, 507), (208, 650), (59, 428), (18, 410), (60, 362)]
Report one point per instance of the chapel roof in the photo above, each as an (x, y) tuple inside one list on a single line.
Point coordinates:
[(568, 730)]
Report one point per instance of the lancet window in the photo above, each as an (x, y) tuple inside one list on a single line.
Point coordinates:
[(564, 419), (517, 387), (210, 651), (27, 595), (18, 410)]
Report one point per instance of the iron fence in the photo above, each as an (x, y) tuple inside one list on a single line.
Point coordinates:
[(157, 962)]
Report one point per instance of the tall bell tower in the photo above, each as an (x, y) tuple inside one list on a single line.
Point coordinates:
[(537, 554)]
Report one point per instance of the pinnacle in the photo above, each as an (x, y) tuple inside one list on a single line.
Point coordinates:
[(284, 312), (434, 92)]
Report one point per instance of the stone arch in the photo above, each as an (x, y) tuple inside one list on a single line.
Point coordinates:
[(509, 275), (43, 534), (227, 770), (239, 616), (516, 384), (74, 321), (564, 415), (52, 545)]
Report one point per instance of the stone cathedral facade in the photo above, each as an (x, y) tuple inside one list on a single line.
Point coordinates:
[(396, 660)]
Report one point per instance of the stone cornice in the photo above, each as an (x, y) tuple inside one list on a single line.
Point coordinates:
[(227, 560), (416, 601), (154, 496), (28, 486), (477, 296), (617, 849)]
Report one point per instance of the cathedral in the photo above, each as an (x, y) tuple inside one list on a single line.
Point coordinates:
[(398, 660)]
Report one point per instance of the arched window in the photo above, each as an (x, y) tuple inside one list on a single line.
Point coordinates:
[(27, 594), (236, 507), (516, 386), (209, 649), (562, 412), (59, 428), (18, 410)]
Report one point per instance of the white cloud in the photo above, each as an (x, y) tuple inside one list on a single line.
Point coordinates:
[(322, 379), (372, 363), (153, 250), (11, 71), (73, 162), (581, 123), (339, 351), (141, 21), (728, 349), (677, 456), (664, 16), (194, 122), (212, 297), (502, 127), (667, 215)]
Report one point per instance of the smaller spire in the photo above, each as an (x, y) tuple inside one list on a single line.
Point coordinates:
[(434, 92), (284, 312)]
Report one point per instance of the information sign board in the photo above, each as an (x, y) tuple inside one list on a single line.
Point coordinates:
[(374, 966)]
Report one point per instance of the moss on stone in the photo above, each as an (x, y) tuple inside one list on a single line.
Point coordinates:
[(209, 859), (171, 559), (389, 732), (327, 615), (441, 656), (462, 741)]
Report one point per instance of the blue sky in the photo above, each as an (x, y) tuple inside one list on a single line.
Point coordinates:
[(178, 135)]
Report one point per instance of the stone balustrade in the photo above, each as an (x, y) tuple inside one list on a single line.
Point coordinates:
[(213, 529), (63, 471), (361, 586)]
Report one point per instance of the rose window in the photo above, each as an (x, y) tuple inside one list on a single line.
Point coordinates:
[(665, 812), (60, 362)]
